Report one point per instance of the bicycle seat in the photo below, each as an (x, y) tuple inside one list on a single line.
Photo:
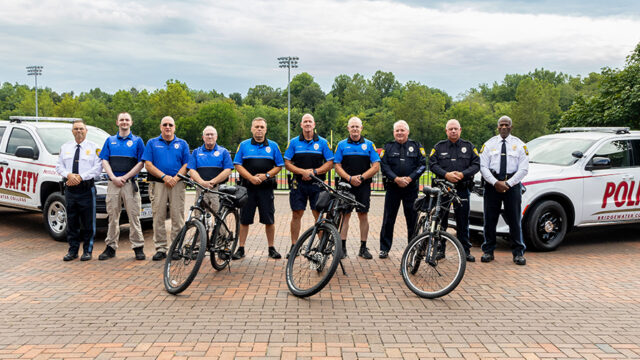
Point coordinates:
[(227, 189), (430, 191), (344, 185)]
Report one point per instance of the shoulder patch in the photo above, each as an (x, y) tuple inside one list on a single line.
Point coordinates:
[(98, 150), (433, 151), (238, 149), (482, 148), (422, 151), (382, 153), (374, 146), (526, 151), (476, 151)]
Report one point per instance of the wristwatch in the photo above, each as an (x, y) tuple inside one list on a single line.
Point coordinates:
[(267, 175)]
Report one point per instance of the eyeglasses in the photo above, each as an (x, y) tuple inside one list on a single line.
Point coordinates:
[(168, 124)]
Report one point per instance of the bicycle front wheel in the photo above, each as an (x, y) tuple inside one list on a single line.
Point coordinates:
[(433, 264), (313, 260), (185, 256), (224, 239)]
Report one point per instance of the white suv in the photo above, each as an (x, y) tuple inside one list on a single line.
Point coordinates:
[(28, 179), (578, 177)]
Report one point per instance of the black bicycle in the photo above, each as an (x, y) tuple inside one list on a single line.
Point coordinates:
[(434, 262), (317, 253), (199, 235)]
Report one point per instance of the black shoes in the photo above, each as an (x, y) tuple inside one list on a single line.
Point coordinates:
[(159, 256), (487, 257), (471, 258), (383, 254), (108, 253), (364, 253), (70, 257), (139, 253), (85, 257), (273, 253), (239, 254), (344, 252), (519, 260)]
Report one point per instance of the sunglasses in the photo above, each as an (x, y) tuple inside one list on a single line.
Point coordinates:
[(168, 124)]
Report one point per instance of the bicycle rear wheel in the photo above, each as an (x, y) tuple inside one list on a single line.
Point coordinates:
[(185, 256), (308, 272), (224, 239), (436, 277)]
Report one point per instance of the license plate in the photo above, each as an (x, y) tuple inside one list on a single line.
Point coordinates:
[(146, 213)]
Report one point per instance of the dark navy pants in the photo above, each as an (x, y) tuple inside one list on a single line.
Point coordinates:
[(461, 213), (81, 218), (392, 200), (512, 214)]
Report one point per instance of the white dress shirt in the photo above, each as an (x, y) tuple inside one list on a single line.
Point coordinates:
[(89, 166), (517, 159)]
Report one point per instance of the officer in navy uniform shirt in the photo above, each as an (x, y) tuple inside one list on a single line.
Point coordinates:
[(210, 165), (165, 157), (402, 164), (457, 161), (80, 165), (357, 161), (258, 161), (307, 154), (122, 161), (503, 163)]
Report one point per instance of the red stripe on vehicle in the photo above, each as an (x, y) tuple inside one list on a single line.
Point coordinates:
[(32, 163), (563, 179)]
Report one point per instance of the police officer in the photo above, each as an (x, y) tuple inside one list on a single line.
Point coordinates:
[(457, 161), (258, 160), (165, 157), (403, 162), (307, 154), (121, 157), (210, 165), (357, 161), (79, 164), (503, 164)]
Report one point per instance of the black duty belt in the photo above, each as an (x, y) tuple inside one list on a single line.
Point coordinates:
[(82, 187), (507, 177)]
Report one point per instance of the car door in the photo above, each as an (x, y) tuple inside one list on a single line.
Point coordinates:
[(19, 175), (610, 191)]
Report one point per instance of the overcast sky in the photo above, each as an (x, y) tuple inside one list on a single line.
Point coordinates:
[(231, 46)]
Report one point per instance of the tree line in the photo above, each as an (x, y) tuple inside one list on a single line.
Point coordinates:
[(540, 102)]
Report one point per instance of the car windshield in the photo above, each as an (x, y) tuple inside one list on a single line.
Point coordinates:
[(556, 151), (54, 137)]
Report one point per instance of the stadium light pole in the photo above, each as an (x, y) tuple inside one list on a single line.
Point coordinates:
[(288, 62), (35, 70)]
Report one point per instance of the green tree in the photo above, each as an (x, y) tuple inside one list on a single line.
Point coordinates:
[(536, 106), (173, 101)]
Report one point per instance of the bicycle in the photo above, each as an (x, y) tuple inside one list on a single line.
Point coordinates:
[(198, 236), (317, 253), (442, 253)]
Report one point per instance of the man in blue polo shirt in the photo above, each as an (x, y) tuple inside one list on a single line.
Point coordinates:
[(258, 161), (122, 160), (357, 162), (307, 154), (210, 165), (165, 157)]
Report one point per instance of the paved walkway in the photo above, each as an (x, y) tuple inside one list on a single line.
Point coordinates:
[(580, 302)]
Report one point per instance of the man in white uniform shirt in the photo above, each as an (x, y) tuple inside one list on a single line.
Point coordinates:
[(79, 165), (503, 164)]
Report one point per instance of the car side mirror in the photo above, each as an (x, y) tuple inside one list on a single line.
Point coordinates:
[(26, 152), (598, 163), (577, 154)]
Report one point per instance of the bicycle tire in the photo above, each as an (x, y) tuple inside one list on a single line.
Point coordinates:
[(230, 241), (184, 257), (420, 225), (308, 274), (433, 280)]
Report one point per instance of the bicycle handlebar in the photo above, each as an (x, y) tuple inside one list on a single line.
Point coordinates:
[(335, 192), (195, 184)]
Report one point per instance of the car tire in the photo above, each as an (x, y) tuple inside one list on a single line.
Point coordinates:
[(54, 214), (545, 226)]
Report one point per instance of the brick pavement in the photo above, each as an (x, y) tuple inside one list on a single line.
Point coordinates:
[(580, 302)]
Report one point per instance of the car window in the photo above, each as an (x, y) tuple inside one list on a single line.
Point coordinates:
[(2, 128), (617, 151), (556, 151), (635, 147), (20, 137)]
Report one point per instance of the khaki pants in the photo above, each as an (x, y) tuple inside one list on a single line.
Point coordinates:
[(116, 196), (160, 195)]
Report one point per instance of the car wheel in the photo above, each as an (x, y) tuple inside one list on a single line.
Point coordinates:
[(55, 216), (545, 226)]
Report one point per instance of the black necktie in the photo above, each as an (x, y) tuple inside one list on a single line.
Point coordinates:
[(76, 160), (503, 161)]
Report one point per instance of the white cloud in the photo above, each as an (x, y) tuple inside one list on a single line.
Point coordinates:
[(233, 45)]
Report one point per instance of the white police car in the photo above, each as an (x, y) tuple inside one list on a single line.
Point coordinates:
[(578, 177), (28, 179)]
